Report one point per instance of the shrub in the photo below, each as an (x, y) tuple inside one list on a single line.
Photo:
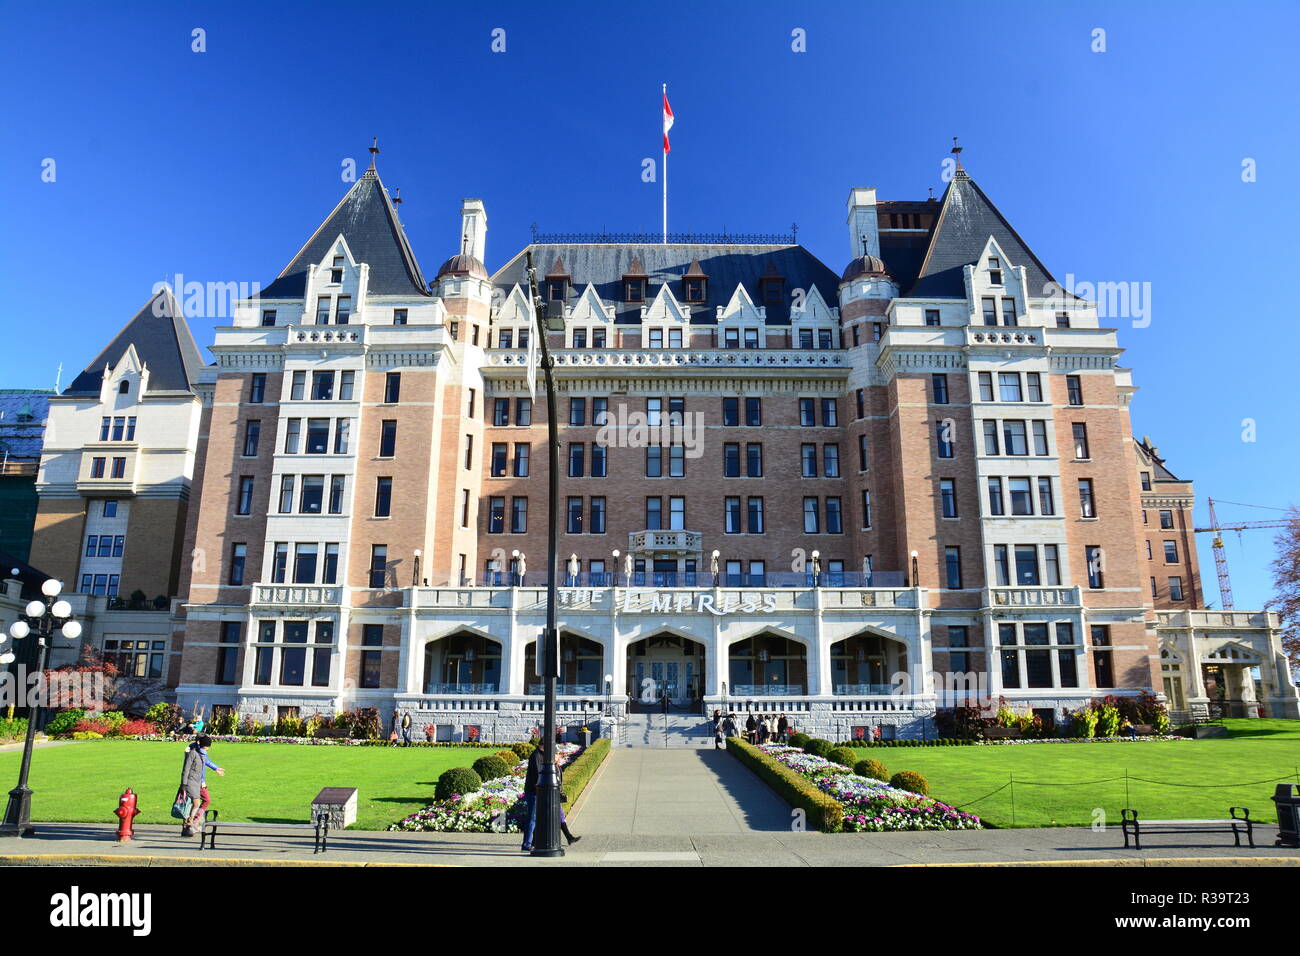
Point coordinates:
[(799, 740), (843, 756), (872, 769), (579, 773), (1108, 722), (166, 717), (910, 780), (818, 747), (824, 812), (100, 728), (290, 727), (137, 728), (457, 780), (1083, 723), (248, 727), (491, 767), (64, 721), (86, 735), (361, 724), (11, 728), (523, 750), (114, 718), (509, 756)]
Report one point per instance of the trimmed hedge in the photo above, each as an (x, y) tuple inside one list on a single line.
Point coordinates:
[(844, 756), (940, 742), (523, 750), (910, 780), (799, 740), (824, 813), (818, 747), (873, 769), (491, 767), (457, 780), (583, 767)]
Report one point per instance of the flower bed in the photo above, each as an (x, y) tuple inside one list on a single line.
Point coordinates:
[(1001, 742), (870, 805), (497, 807), (320, 741)]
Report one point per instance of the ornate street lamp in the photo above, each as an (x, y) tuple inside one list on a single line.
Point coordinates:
[(40, 618)]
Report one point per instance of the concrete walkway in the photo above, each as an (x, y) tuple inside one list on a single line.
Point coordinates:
[(678, 792)]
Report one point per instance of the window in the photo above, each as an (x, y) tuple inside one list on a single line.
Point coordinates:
[(938, 390), (731, 513), (932, 317), (811, 516), (831, 461), (501, 411), (313, 492), (1101, 656), (952, 567), (228, 656), (464, 508), (392, 388), (304, 564), (279, 562), (387, 438), (523, 454), (292, 435), (399, 317), (751, 338), (1146, 481), (943, 437), (633, 290), (1074, 388), (518, 515), (578, 411), (600, 410), (1175, 589), (866, 510), (731, 411), (948, 497), (318, 436), (323, 310), (656, 339), (599, 468), (252, 433), (1087, 506), (573, 512), (990, 310), (1051, 565), (469, 413), (1026, 565), (1013, 438), (1080, 431), (731, 460), (731, 339), (1046, 505), (830, 412), (119, 468), (469, 451), (755, 515), (834, 516), (383, 497), (597, 516), (864, 456), (576, 459), (807, 412), (110, 508), (877, 331), (238, 556), (342, 431), (330, 571), (1034, 386), (654, 517), (1171, 552), (985, 380), (1001, 565), (336, 494), (995, 271), (1166, 520), (505, 339), (1009, 312), (808, 461), (1092, 558), (268, 317), (754, 412), (1022, 502), (244, 503), (1009, 387), (297, 383), (523, 411), (990, 437), (322, 386), (676, 461), (676, 514), (496, 515), (995, 496), (1040, 437), (378, 565), (654, 464), (347, 383), (286, 494), (344, 310), (754, 460)]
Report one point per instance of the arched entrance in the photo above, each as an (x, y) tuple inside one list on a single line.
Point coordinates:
[(464, 663), (582, 663), (866, 665), (665, 666), (767, 665)]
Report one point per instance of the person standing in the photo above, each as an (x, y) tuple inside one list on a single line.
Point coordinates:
[(729, 728), (782, 727), (717, 729), (751, 728), (406, 728), (194, 780), (530, 798)]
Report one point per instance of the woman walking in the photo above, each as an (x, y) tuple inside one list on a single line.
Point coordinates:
[(194, 780)]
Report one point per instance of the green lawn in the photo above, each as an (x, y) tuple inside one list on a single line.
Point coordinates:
[(263, 783), (1060, 784)]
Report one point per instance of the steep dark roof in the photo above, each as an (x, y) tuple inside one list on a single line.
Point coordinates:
[(727, 266), (1151, 456), (163, 342), (966, 221), (369, 223)]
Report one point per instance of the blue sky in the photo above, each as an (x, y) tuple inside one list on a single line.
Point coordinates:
[(1123, 165)]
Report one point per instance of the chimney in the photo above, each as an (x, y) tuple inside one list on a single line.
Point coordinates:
[(473, 228), (864, 239)]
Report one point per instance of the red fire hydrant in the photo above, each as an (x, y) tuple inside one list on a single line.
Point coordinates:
[(126, 811)]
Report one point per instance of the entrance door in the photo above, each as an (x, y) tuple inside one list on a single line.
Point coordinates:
[(664, 667)]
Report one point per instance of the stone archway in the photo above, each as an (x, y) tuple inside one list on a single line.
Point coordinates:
[(865, 665), (666, 665), (582, 667), (462, 663), (767, 665)]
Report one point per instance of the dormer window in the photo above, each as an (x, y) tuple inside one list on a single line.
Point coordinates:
[(694, 289), (731, 338), (124, 387), (399, 317), (323, 310), (505, 339), (556, 290), (336, 270), (770, 286), (268, 317), (995, 271), (344, 310), (633, 290)]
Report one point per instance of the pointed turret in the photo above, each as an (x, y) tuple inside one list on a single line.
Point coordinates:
[(163, 344)]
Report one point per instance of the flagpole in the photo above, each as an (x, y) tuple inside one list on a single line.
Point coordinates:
[(665, 177)]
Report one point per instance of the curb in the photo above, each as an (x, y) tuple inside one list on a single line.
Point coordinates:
[(1224, 861)]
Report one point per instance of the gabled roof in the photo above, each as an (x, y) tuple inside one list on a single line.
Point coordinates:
[(367, 220), (605, 264), (965, 222), (163, 342), (1150, 454)]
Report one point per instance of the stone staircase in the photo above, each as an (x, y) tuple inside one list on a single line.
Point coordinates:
[(663, 731)]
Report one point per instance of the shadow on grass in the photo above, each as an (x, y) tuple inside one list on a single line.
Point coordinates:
[(422, 800)]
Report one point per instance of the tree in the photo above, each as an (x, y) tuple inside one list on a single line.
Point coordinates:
[(1286, 581), (95, 683)]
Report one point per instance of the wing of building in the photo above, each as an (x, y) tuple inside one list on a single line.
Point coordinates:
[(853, 496)]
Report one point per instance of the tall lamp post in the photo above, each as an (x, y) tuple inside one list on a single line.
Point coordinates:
[(546, 834), (40, 619)]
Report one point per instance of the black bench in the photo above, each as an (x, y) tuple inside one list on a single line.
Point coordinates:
[(1237, 824), (320, 827), (332, 732), (1001, 733)]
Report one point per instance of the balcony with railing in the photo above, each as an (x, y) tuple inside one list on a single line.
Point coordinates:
[(675, 358), (1210, 619), (297, 595), (1051, 596)]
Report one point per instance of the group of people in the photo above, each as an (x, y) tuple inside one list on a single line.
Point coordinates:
[(759, 728)]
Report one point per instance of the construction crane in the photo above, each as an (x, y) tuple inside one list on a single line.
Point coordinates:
[(1220, 557)]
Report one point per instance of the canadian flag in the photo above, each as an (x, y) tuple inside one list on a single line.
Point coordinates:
[(668, 123)]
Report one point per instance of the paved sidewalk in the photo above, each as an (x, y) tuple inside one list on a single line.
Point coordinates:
[(678, 792), (92, 845)]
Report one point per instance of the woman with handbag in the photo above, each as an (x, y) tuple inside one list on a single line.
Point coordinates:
[(194, 782), (530, 798)]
